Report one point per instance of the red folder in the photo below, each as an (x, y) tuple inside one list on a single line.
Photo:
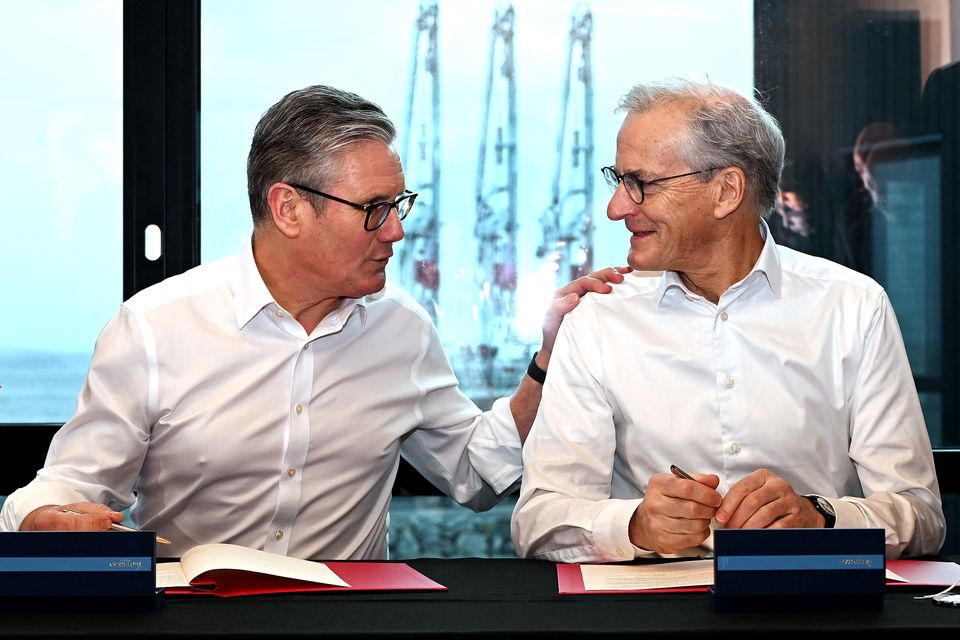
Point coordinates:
[(924, 573), (916, 572), (361, 576)]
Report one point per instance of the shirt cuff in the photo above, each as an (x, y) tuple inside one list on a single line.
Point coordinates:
[(25, 500), (611, 531), (849, 514)]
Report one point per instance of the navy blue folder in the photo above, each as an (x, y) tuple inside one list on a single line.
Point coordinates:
[(799, 569), (78, 571)]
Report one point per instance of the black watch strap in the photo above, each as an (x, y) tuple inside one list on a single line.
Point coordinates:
[(825, 509), (536, 372)]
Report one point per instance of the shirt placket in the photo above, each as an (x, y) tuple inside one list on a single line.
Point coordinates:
[(296, 443), (730, 376), (727, 386)]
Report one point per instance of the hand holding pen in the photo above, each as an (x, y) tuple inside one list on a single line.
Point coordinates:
[(77, 516), (773, 502), (115, 526), (676, 511)]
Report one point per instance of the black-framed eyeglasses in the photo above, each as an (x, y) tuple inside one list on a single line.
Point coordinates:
[(635, 185), (377, 212)]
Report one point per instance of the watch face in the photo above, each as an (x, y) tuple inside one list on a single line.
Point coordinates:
[(825, 507)]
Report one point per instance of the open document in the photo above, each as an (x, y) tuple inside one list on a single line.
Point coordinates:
[(232, 570), (226, 568), (697, 575)]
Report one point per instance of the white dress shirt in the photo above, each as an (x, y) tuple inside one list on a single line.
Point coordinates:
[(800, 368), (209, 409)]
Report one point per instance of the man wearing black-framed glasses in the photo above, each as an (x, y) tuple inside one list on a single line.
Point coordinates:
[(375, 213), (779, 379), (264, 400)]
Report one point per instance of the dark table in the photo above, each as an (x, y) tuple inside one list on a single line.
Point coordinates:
[(486, 598)]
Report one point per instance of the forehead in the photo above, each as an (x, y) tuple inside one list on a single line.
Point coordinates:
[(370, 168), (650, 141)]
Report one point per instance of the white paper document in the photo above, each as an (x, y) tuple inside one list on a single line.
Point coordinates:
[(212, 558), (666, 575)]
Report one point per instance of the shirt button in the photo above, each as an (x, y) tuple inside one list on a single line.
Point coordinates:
[(299, 408), (278, 534), (735, 448), (280, 313), (291, 472), (724, 316), (730, 382)]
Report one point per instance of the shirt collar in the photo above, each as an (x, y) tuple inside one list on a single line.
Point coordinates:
[(769, 261), (252, 295), (768, 264)]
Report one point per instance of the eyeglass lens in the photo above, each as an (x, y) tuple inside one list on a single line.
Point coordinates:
[(633, 186), (378, 214)]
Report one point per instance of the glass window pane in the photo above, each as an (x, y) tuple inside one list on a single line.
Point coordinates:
[(61, 162), (512, 203), (485, 271), (867, 96)]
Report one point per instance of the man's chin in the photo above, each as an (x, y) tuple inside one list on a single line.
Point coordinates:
[(642, 263), (372, 285)]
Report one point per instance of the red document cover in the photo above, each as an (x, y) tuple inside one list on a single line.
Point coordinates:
[(361, 576), (924, 573), (916, 572)]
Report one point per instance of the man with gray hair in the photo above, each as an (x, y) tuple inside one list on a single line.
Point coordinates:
[(778, 380), (264, 400)]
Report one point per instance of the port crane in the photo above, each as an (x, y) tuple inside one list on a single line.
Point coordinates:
[(567, 222), (496, 196), (419, 253)]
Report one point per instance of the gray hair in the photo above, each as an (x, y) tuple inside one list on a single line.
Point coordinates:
[(724, 129), (302, 139)]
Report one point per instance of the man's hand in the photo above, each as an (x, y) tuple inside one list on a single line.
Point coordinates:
[(675, 513), (566, 298), (763, 500), (96, 517)]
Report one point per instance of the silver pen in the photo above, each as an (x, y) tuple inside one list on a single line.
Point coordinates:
[(114, 526), (683, 475)]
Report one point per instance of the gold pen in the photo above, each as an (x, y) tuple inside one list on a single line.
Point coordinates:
[(680, 473), (114, 526)]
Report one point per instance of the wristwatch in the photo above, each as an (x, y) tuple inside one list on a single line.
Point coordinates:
[(825, 509)]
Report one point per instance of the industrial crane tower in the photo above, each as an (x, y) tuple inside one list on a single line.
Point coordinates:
[(419, 253), (496, 201), (568, 220)]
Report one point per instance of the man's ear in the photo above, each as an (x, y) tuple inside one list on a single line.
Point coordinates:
[(732, 191), (286, 207)]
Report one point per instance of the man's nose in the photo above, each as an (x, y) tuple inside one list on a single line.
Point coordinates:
[(392, 229), (621, 204)]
